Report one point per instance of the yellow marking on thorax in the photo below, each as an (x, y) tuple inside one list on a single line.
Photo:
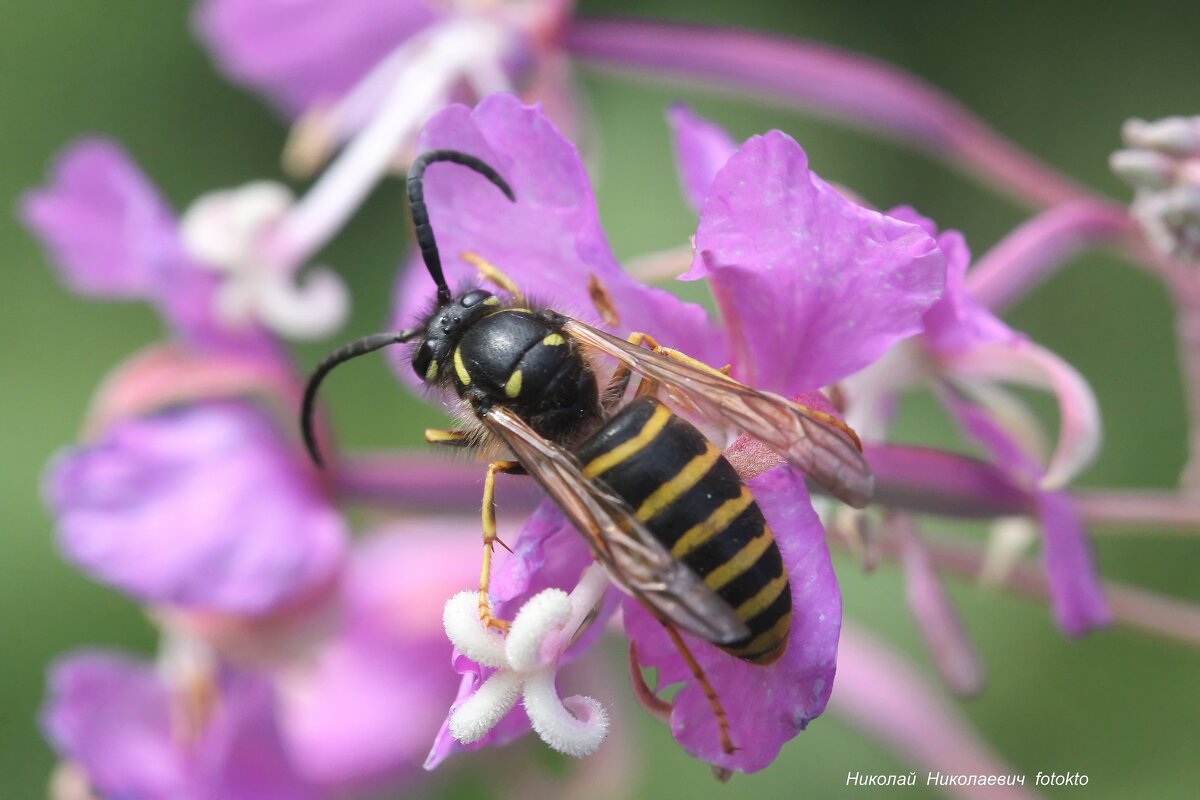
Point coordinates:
[(492, 301), (554, 340), (658, 420), (460, 368), (512, 387), (763, 599), (741, 562), (685, 479), (716, 522), (431, 371), (767, 640)]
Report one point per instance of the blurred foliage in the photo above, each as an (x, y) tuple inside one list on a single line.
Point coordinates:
[(1058, 78)]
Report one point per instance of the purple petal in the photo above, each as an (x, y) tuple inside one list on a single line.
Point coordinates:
[(767, 705), (812, 286), (549, 241), (953, 653), (112, 715), (956, 321), (107, 231), (366, 711), (882, 693), (1076, 595), (301, 52), (249, 761), (701, 149), (368, 705), (973, 342), (1025, 362), (205, 507)]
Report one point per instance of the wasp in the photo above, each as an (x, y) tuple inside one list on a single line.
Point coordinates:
[(659, 505)]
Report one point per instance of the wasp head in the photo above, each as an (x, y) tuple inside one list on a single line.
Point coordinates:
[(444, 327)]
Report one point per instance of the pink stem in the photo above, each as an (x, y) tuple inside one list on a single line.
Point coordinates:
[(1167, 511), (908, 478), (1138, 608), (421, 482), (1187, 327), (1040, 246), (837, 83)]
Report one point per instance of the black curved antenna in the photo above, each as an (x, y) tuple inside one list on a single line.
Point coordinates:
[(359, 347), (420, 214)]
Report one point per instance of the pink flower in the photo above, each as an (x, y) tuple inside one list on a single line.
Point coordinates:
[(207, 508), (770, 224), (120, 721)]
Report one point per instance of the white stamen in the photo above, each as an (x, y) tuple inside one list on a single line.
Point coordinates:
[(1009, 541), (437, 60), (230, 232), (527, 662), (310, 309), (545, 613), (461, 619), (576, 726), (483, 710)]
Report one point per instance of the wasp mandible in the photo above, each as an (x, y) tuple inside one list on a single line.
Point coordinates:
[(657, 502)]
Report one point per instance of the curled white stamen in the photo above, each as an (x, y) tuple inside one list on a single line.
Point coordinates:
[(231, 232), (483, 710), (472, 639), (545, 613), (575, 726), (526, 664)]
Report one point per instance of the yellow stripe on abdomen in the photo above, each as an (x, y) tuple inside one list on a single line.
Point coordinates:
[(658, 420), (741, 561), (691, 474), (766, 647), (717, 521), (763, 599)]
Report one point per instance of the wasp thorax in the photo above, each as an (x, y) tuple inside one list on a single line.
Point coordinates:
[(444, 328)]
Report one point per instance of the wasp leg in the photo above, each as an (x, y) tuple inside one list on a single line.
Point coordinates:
[(490, 539), (448, 438), (490, 272), (647, 386), (722, 720), (603, 301)]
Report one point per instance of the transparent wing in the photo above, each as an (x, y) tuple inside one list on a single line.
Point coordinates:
[(635, 559), (819, 444)]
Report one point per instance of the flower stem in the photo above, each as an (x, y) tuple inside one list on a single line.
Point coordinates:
[(826, 80), (1040, 246), (420, 482), (1167, 512), (1139, 608)]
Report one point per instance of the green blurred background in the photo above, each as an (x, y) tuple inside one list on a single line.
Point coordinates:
[(1119, 706)]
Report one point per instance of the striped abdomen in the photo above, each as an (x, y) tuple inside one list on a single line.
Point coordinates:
[(693, 502)]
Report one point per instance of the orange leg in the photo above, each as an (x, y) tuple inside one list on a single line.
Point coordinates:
[(709, 692), (490, 539)]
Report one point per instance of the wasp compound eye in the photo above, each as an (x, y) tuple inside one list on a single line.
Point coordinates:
[(422, 358), (474, 298)]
